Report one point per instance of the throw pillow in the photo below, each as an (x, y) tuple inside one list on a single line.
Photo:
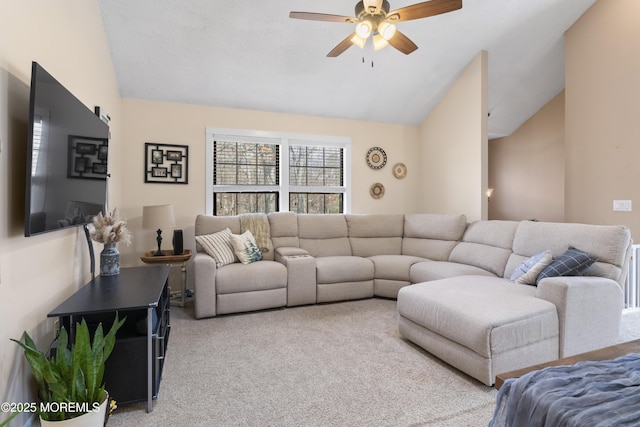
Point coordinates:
[(245, 247), (527, 272), (573, 262), (218, 246)]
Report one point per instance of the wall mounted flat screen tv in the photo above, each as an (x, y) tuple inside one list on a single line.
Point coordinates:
[(67, 154)]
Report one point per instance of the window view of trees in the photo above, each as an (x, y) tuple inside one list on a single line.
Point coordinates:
[(242, 163), (246, 178), (315, 203), (238, 203), (315, 167)]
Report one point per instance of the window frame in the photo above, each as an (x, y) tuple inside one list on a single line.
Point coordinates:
[(284, 140)]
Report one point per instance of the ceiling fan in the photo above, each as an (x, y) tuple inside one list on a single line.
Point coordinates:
[(373, 18)]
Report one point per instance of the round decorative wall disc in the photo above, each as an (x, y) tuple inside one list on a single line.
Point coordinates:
[(377, 190), (376, 158), (399, 170)]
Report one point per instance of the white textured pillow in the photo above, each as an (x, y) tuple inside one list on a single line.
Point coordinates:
[(527, 272), (218, 246), (245, 247)]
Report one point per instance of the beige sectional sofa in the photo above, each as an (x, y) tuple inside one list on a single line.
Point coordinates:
[(450, 278)]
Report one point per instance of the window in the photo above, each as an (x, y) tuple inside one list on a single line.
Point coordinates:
[(266, 172), (315, 167), (245, 164)]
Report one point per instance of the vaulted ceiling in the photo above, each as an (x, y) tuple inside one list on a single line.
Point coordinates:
[(249, 54)]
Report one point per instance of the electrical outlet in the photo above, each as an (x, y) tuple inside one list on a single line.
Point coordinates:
[(56, 327), (622, 205)]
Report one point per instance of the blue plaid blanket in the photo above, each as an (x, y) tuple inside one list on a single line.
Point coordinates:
[(605, 393)]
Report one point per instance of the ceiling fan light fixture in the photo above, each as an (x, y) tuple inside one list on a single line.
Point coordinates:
[(363, 29), (386, 30), (379, 42), (373, 17), (358, 41)]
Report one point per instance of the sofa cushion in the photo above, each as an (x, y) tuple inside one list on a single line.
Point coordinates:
[(218, 246), (571, 263), (322, 226), (394, 267), (435, 270), (375, 225), (374, 234), (207, 224), (371, 246), (324, 235), (488, 315), (610, 243), (245, 247), (284, 229), (326, 247), (486, 244), (336, 269), (432, 236), (435, 226), (527, 272), (257, 276)]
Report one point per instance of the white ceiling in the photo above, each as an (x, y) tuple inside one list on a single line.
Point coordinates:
[(249, 54)]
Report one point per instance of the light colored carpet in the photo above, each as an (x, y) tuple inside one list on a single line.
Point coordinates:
[(340, 364), (630, 329)]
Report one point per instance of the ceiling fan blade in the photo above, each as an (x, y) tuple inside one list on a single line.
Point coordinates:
[(423, 10), (311, 16), (342, 46), (402, 43)]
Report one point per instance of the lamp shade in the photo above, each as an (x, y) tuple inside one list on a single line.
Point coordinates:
[(363, 29), (386, 30), (158, 217)]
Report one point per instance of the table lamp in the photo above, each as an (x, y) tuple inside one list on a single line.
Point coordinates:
[(157, 218)]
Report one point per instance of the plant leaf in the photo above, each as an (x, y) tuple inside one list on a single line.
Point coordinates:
[(81, 355), (74, 375)]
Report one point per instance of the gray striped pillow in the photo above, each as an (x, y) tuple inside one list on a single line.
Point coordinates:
[(218, 246)]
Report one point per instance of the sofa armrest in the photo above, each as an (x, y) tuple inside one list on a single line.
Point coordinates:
[(285, 251), (204, 283), (589, 311)]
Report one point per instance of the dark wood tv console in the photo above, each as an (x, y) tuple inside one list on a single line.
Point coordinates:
[(134, 369)]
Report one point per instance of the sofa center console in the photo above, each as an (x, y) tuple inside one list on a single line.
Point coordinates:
[(134, 369)]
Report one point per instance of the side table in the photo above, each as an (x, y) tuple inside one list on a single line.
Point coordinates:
[(177, 297)]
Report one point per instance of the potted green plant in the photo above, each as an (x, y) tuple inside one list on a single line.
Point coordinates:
[(70, 384)]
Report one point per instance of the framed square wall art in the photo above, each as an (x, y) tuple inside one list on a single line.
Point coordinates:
[(87, 157), (166, 163)]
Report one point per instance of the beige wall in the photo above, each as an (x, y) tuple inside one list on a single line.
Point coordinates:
[(37, 273), (526, 169), (453, 154), (602, 114), (170, 123), (454, 149)]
